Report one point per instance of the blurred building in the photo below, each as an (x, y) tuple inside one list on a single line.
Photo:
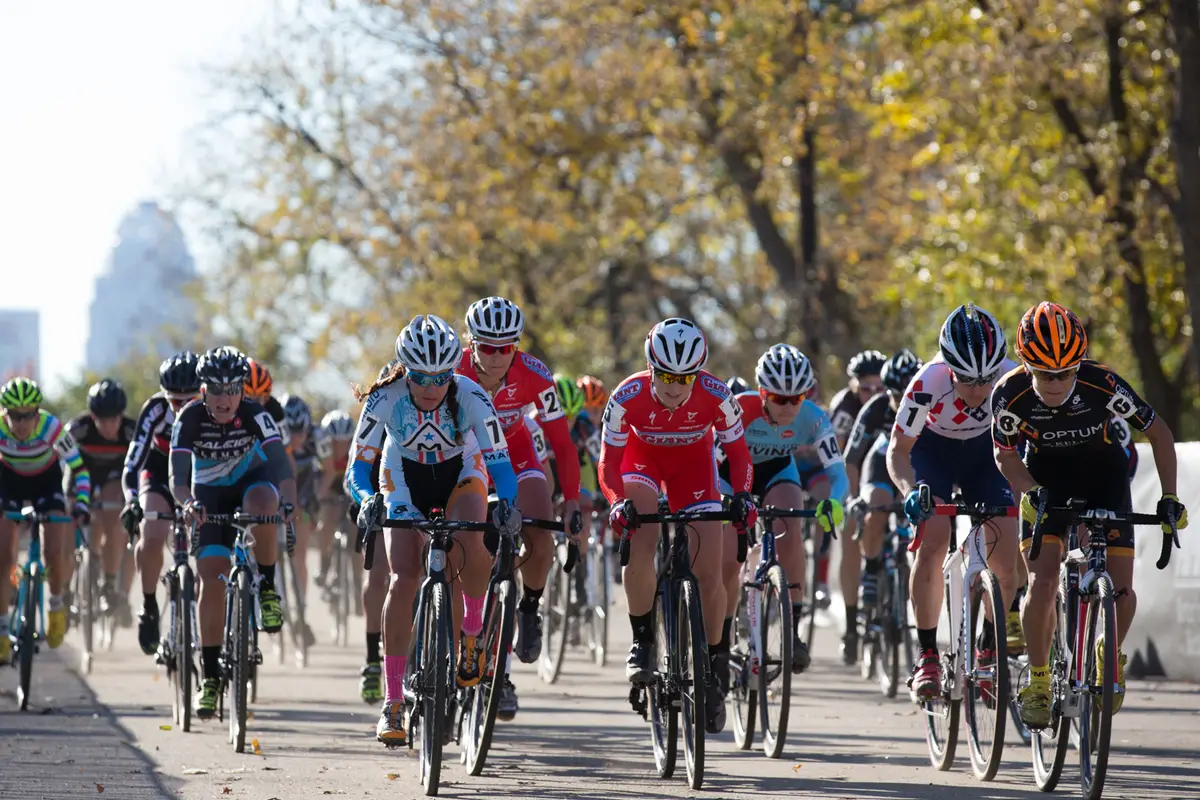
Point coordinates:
[(139, 302), (19, 346)]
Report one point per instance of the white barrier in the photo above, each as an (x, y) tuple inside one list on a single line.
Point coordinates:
[(1165, 638)]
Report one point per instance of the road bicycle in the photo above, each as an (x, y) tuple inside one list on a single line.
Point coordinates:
[(177, 648), (575, 604)]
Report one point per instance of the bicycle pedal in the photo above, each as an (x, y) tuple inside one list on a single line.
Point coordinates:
[(258, 657)]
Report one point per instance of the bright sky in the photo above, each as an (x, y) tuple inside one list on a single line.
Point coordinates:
[(95, 103)]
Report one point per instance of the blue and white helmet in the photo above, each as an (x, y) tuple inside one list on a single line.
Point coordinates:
[(338, 424), (429, 345), (784, 370), (972, 343)]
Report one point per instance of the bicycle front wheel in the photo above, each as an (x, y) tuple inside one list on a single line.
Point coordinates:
[(986, 689), (775, 671), (484, 699), (30, 586), (184, 604), (243, 618), (1050, 745), (556, 619), (743, 667), (660, 695), (85, 597), (1096, 708), (691, 659), (437, 672), (601, 583)]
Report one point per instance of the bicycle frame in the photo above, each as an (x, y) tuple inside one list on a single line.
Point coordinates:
[(34, 567)]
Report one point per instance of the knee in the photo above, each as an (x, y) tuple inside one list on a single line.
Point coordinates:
[(708, 568), (1042, 588)]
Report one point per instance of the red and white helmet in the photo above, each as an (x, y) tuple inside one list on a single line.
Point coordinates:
[(676, 345)]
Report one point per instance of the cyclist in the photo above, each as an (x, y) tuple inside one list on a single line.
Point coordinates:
[(1060, 404), (303, 448), (658, 430), (146, 481), (942, 438), (515, 380), (442, 434), (595, 396), (778, 418), (258, 388), (33, 447), (226, 454), (103, 434), (334, 451), (866, 465)]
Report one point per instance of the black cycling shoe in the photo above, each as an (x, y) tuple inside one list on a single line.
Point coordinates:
[(637, 666), (850, 647), (715, 708), (529, 635), (507, 710), (870, 591), (801, 659), (720, 670), (148, 630)]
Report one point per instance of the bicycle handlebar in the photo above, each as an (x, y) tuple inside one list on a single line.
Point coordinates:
[(978, 510), (456, 525), (245, 519), (677, 517), (168, 516), (40, 516), (1075, 513)]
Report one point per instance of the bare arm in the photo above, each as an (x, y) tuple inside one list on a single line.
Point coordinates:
[(899, 461), (1162, 442), (1014, 470)]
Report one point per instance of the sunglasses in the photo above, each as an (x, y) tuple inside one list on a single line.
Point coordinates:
[(423, 379), (986, 380), (23, 416), (1053, 377), (495, 349), (671, 377), (784, 399), (223, 389), (870, 388)]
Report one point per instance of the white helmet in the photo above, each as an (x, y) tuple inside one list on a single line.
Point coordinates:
[(784, 370), (676, 345), (495, 319), (338, 424), (972, 343), (428, 345)]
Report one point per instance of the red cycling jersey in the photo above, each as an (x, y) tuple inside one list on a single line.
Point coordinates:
[(529, 382), (684, 436)]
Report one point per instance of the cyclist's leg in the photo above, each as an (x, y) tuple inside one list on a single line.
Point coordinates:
[(1038, 620), (149, 555), (213, 546), (787, 493), (731, 570), (982, 482), (262, 498), (8, 555), (304, 525), (374, 592), (106, 528), (58, 548), (877, 489), (533, 499), (332, 519), (468, 502)]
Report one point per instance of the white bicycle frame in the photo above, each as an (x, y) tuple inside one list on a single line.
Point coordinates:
[(959, 570)]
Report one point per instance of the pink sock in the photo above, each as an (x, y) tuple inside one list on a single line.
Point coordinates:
[(393, 672), (472, 615)]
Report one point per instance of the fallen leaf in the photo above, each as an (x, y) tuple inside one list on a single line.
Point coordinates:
[(797, 767), (391, 776), (257, 749), (164, 727), (100, 787), (227, 790), (155, 678), (249, 715)]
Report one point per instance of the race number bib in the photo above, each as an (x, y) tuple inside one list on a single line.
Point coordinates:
[(266, 425), (551, 406), (913, 413), (1121, 405), (827, 450)]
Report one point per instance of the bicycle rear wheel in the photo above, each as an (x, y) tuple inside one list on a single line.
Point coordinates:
[(664, 713), (743, 683), (437, 672), (243, 618), (598, 598), (986, 688), (294, 611), (85, 597), (809, 623), (1050, 745), (30, 586), (691, 657), (183, 646), (1096, 708), (342, 588), (775, 670), (556, 619), (484, 699)]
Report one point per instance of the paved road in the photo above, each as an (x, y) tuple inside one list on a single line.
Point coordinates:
[(577, 739)]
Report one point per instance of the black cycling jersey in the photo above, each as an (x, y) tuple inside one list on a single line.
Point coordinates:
[(1081, 425), (876, 417), (275, 409), (103, 458), (210, 453), (150, 445), (843, 410)]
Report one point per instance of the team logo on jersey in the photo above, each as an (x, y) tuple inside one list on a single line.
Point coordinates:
[(639, 467), (787, 434), (698, 494), (628, 391), (536, 366), (691, 415), (653, 414), (714, 386)]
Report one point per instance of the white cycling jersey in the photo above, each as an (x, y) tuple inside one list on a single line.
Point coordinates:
[(930, 403)]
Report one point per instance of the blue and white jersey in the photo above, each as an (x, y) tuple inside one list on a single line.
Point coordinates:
[(428, 437), (811, 427)]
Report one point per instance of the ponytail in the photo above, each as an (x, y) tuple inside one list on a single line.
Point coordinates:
[(453, 408), (393, 375)]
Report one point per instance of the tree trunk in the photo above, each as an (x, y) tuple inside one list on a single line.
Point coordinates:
[(1185, 139)]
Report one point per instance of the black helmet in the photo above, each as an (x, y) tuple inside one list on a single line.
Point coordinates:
[(223, 365), (296, 413), (899, 370), (868, 362), (177, 374), (106, 399), (737, 385)]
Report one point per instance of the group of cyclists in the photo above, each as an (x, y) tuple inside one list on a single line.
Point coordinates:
[(451, 420)]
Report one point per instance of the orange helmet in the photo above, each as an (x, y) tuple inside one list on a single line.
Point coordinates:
[(259, 384), (594, 393), (1051, 338)]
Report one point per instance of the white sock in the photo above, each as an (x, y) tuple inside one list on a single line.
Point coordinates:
[(55, 602)]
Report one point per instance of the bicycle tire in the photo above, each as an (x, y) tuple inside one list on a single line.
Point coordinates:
[(298, 626), (885, 656), (183, 652), (280, 638), (691, 662), (28, 632), (1095, 718), (664, 715), (85, 596), (556, 614), (243, 618), (434, 684), (743, 674), (775, 674), (484, 699), (1046, 773), (986, 760), (810, 620), (343, 588), (598, 567)]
